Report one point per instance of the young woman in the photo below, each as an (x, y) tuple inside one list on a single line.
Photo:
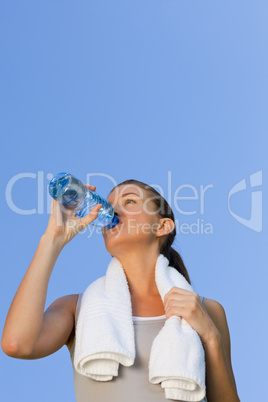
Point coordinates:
[(146, 229)]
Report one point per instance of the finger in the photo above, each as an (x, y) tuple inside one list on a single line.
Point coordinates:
[(90, 187), (92, 215), (180, 312), (182, 303), (176, 290)]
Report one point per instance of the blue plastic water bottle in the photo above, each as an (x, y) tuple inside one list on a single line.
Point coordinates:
[(70, 192)]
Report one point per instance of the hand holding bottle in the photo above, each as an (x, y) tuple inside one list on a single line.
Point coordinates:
[(63, 225)]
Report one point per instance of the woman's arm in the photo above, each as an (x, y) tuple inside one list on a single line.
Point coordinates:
[(27, 328), (25, 316), (220, 381)]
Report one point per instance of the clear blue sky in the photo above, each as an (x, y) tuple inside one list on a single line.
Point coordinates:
[(172, 93)]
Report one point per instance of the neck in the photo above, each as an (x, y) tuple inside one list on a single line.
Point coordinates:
[(139, 268)]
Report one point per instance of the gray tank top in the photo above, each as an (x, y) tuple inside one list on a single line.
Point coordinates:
[(132, 383)]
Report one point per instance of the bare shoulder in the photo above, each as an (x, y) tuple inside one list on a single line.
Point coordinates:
[(212, 306), (217, 314), (65, 304)]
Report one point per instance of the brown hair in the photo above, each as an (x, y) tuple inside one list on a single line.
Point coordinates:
[(164, 211)]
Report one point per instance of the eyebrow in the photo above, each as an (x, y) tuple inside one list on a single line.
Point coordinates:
[(130, 193)]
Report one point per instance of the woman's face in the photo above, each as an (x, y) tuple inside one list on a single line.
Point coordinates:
[(137, 216)]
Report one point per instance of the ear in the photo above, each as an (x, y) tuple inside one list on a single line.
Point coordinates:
[(166, 226)]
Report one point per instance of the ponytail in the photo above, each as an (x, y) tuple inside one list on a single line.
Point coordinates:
[(176, 262)]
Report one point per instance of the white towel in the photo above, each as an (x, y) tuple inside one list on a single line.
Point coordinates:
[(105, 335)]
